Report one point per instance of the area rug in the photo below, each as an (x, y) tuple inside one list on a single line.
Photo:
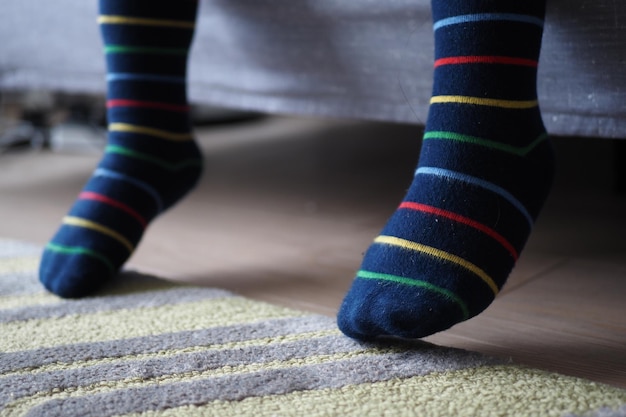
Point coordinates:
[(147, 347)]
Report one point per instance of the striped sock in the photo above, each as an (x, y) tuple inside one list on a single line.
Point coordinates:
[(485, 169), (151, 158)]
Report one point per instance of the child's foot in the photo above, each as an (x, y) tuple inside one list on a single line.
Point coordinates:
[(151, 159), (485, 169)]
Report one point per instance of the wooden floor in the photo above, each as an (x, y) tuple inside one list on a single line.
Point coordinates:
[(287, 206)]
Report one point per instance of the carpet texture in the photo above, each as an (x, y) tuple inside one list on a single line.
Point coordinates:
[(145, 347)]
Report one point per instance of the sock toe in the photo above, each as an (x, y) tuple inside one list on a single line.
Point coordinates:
[(373, 309), (73, 278)]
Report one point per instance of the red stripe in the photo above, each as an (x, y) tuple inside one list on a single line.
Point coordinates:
[(464, 220), (146, 104), (87, 195), (456, 60)]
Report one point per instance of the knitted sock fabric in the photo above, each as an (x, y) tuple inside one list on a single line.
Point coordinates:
[(485, 169), (151, 159)]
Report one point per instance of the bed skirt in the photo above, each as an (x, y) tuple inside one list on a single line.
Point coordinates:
[(360, 59)]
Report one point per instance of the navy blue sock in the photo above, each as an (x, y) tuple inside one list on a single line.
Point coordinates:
[(151, 159), (485, 169)]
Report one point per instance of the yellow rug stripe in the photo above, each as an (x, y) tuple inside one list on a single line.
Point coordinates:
[(489, 391), (266, 341), (39, 299), (21, 406), (437, 253), (126, 20), (88, 224), (112, 325), (18, 265), (163, 134), (480, 101)]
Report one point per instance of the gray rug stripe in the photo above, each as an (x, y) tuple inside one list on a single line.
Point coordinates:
[(24, 384), (156, 298), (358, 370), (16, 249), (22, 283), (69, 354), (603, 412)]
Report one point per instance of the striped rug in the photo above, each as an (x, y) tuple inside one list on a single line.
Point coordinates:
[(145, 347)]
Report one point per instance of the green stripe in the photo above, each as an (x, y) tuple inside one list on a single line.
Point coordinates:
[(417, 283), (78, 250), (486, 142), (120, 150), (121, 49)]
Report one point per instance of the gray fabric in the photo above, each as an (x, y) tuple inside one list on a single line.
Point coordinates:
[(18, 284), (37, 358), (12, 249), (603, 412), (358, 58), (357, 370), (171, 365)]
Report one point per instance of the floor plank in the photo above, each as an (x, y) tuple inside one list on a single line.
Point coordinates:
[(561, 321)]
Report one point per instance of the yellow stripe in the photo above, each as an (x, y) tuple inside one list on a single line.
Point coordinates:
[(87, 224), (163, 134), (18, 265), (30, 300), (492, 102), (437, 253), (119, 324), (23, 405), (485, 391), (125, 20)]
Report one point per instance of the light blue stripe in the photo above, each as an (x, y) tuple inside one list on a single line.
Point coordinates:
[(129, 76), (457, 176), (480, 17), (101, 172)]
